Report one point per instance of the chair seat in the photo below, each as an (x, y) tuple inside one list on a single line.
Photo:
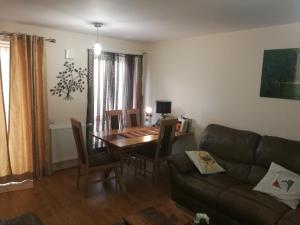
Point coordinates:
[(100, 159), (148, 151), (92, 151)]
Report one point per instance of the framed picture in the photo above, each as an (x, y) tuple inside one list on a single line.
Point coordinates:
[(281, 74)]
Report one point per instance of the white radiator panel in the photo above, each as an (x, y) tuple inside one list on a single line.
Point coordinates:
[(62, 143)]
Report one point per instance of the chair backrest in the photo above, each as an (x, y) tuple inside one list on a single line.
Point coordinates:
[(80, 146), (133, 118), (166, 137), (113, 119)]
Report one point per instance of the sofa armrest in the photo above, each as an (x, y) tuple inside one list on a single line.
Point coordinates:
[(181, 162)]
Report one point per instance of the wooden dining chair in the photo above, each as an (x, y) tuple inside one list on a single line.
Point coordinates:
[(91, 163), (94, 144), (114, 119), (159, 152), (133, 118)]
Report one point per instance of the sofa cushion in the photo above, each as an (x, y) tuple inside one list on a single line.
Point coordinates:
[(292, 217), (233, 149), (204, 162), (282, 184), (279, 150), (181, 162), (205, 188), (274, 149), (251, 207), (239, 171)]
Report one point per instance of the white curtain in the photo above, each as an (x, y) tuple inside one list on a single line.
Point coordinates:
[(104, 83), (4, 56)]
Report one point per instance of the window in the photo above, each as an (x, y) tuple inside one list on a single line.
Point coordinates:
[(115, 84), (4, 58), (111, 91)]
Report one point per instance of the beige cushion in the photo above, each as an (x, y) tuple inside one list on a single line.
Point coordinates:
[(282, 184), (204, 162)]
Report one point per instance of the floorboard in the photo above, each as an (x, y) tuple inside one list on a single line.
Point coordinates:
[(57, 202)]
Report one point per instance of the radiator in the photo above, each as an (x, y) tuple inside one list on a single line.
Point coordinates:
[(64, 153)]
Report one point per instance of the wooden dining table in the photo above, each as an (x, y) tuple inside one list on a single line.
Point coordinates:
[(132, 137), (123, 142)]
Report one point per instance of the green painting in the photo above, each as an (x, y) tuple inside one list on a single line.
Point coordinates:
[(281, 74)]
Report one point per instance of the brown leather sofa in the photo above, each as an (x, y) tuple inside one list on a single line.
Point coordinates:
[(228, 197)]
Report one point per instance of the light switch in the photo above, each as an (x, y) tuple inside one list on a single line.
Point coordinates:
[(69, 53)]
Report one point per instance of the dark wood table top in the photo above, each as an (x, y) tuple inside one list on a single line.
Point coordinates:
[(165, 213), (129, 137)]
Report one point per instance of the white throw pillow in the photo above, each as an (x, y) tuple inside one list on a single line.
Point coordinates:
[(204, 162), (282, 184)]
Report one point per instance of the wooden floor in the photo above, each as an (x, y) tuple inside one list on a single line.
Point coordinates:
[(57, 202)]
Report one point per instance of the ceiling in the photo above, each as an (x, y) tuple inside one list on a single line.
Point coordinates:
[(152, 20)]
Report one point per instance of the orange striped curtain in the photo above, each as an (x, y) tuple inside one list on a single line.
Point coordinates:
[(27, 136)]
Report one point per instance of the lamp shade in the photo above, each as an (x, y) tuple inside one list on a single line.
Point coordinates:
[(163, 106)]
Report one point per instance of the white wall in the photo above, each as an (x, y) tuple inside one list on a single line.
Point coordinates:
[(216, 79), (60, 111)]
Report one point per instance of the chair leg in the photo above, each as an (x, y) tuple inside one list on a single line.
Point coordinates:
[(120, 179), (86, 182), (122, 165), (78, 176), (154, 175), (145, 167), (106, 173), (135, 167), (141, 166), (116, 183)]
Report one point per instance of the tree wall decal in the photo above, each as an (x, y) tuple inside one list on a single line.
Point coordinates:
[(70, 80)]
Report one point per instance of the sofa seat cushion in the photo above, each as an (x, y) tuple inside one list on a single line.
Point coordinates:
[(251, 207), (292, 217), (206, 188)]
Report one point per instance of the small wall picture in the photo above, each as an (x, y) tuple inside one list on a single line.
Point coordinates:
[(281, 74)]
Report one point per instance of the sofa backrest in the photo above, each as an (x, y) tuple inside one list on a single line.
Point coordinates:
[(233, 149), (246, 155), (274, 149)]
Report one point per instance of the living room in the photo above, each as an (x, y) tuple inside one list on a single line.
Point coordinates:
[(206, 58)]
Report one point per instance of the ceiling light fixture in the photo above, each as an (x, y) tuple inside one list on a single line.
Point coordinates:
[(97, 46)]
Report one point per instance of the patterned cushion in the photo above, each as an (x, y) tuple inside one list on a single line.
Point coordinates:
[(282, 184), (204, 162)]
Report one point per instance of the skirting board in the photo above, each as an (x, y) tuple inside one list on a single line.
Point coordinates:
[(16, 186), (64, 164)]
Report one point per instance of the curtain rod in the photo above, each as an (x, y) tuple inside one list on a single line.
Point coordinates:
[(144, 53), (122, 53), (5, 33)]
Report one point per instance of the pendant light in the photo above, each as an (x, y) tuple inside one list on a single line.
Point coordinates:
[(97, 46)]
